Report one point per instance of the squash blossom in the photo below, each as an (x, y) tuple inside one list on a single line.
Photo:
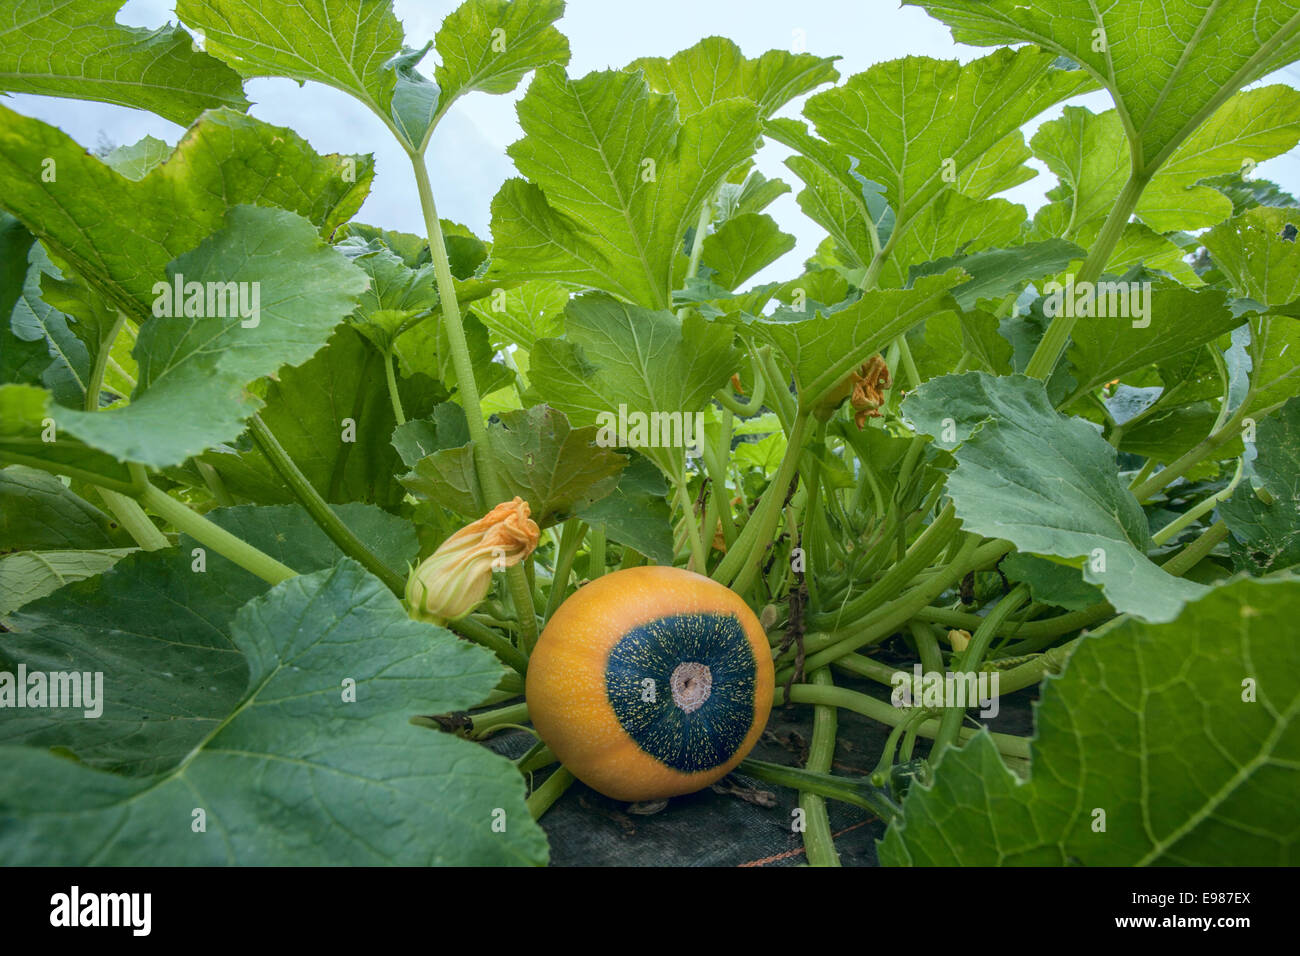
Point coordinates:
[(453, 580), (864, 387)]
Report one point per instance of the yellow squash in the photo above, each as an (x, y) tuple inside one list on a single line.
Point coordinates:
[(651, 682)]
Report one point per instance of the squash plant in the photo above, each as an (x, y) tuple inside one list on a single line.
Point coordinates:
[(1058, 448)]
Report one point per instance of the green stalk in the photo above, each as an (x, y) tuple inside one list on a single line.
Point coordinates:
[(970, 661), (391, 375), (95, 384), (717, 472), (125, 509), (570, 540), (740, 565), (1193, 456), (595, 553), (1194, 553), (485, 723), (889, 617), (217, 538), (859, 793), (481, 634), (1057, 335), (817, 839), (886, 713), (924, 550), (1194, 514), (1049, 628), (131, 516), (541, 799), (698, 557), (321, 512), (489, 481)]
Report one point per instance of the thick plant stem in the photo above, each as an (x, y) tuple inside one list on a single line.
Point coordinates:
[(918, 557), (1192, 555), (493, 491), (844, 789), (886, 713), (741, 563), (131, 516), (390, 374), (817, 839), (1057, 335), (95, 384), (971, 659), (544, 797), (217, 538), (321, 512), (1185, 462), (570, 540), (491, 720), (489, 481), (693, 538), (482, 634)]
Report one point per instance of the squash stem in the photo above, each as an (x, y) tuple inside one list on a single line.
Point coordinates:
[(544, 797), (318, 509), (818, 841), (483, 635), (859, 793)]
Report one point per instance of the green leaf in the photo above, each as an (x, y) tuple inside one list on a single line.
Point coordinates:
[(1249, 128), (952, 226), (157, 625), (488, 45), (1164, 69), (1051, 582), (824, 349), (135, 160), (1090, 155), (742, 246), (28, 575), (996, 272), (1256, 257), (193, 369), (119, 235), (1047, 483), (636, 513), (419, 438), (528, 312), (941, 341), (650, 362), (333, 416), (408, 797), (1266, 531), (616, 180), (66, 368), (557, 469), (38, 512), (80, 50), (29, 435), (396, 295), (1177, 320), (1275, 357), (916, 123), (715, 69), (1150, 724)]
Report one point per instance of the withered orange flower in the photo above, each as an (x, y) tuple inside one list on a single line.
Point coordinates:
[(453, 580), (869, 384)]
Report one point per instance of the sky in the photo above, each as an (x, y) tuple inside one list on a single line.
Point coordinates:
[(467, 159)]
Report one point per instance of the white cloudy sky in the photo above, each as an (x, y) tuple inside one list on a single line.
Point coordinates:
[(467, 160)]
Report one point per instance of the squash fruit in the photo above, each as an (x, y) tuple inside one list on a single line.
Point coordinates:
[(651, 682)]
